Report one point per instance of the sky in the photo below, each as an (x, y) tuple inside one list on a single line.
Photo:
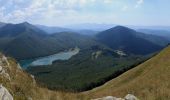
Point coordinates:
[(68, 12)]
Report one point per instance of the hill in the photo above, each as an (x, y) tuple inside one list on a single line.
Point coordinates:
[(24, 41), (12, 30), (148, 81), (123, 38)]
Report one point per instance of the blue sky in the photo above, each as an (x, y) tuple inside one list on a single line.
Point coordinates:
[(63, 12)]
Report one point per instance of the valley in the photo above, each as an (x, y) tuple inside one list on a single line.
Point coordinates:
[(84, 71)]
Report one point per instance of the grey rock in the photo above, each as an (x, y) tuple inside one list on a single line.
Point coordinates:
[(109, 98), (127, 97), (4, 94), (130, 97), (5, 60)]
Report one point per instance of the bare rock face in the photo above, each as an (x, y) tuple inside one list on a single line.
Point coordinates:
[(5, 60), (127, 97), (4, 94)]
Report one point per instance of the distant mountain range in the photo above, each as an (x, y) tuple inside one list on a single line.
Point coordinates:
[(24, 40), (166, 28), (90, 26), (160, 33), (52, 30)]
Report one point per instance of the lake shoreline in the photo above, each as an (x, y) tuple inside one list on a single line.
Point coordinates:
[(48, 60)]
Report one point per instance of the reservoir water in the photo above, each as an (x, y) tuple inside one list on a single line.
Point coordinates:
[(48, 60)]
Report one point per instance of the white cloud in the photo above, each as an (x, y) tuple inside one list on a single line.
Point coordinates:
[(46, 7), (139, 3), (57, 10)]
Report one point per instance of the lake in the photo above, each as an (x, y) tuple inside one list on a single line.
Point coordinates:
[(48, 60)]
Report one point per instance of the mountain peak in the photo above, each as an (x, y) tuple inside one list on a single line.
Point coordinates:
[(17, 29), (121, 28), (25, 24)]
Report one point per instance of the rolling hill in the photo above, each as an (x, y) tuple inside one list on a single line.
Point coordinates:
[(23, 41), (123, 38)]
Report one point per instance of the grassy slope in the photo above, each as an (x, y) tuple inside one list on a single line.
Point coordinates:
[(148, 81)]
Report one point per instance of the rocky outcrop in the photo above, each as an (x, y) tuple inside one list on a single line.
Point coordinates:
[(127, 97), (4, 94), (3, 73), (4, 67), (4, 59)]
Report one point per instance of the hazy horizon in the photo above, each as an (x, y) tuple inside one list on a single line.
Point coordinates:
[(72, 12)]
